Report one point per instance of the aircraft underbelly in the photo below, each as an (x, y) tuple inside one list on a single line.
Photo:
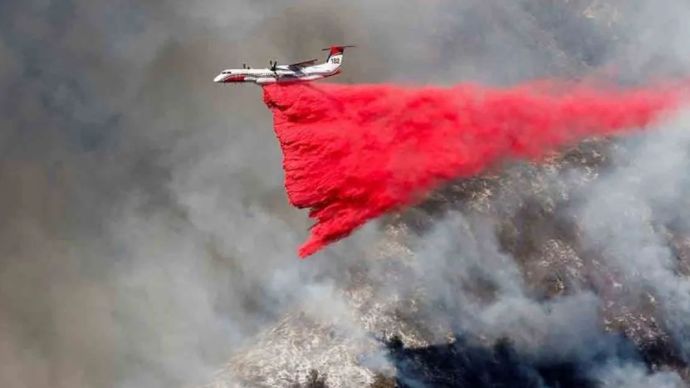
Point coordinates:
[(300, 79), (266, 80), (284, 77)]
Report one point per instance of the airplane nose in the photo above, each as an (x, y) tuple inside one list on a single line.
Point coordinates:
[(219, 78)]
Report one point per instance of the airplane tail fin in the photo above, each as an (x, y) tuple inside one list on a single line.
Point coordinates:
[(335, 54)]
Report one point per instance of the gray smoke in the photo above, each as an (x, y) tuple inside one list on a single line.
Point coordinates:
[(146, 236), (630, 214)]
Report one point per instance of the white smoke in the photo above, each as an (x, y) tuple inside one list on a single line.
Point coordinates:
[(147, 237)]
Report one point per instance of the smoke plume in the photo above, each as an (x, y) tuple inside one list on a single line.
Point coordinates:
[(146, 239)]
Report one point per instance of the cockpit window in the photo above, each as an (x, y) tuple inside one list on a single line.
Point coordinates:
[(226, 72)]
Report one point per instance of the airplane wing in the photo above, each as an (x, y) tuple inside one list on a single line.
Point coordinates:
[(299, 65)]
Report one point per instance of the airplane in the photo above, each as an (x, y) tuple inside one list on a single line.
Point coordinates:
[(296, 72)]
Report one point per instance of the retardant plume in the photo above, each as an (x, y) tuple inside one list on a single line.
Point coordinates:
[(355, 152)]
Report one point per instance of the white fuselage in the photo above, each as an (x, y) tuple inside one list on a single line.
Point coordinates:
[(282, 73)]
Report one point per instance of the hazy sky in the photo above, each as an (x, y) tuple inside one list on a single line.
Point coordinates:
[(145, 233)]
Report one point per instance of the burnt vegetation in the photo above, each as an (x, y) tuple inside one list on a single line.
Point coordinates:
[(314, 380), (466, 364)]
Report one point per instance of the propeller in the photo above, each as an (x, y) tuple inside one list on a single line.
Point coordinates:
[(273, 65)]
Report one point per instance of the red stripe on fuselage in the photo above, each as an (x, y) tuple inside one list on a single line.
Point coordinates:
[(235, 78)]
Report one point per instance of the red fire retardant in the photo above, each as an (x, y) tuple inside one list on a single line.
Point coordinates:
[(355, 152)]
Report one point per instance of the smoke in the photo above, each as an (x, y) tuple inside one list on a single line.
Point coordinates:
[(131, 208), (353, 153), (634, 224), (146, 236)]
